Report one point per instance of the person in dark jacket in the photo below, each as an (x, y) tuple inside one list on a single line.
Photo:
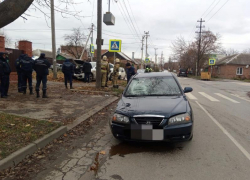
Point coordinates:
[(87, 70), (130, 71), (1, 76), (19, 73), (68, 71), (5, 75), (26, 66), (41, 66)]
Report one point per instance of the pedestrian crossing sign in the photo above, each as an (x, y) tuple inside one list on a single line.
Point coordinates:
[(92, 49), (115, 45), (212, 62), (147, 60)]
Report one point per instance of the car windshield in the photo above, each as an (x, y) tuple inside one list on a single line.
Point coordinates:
[(153, 86)]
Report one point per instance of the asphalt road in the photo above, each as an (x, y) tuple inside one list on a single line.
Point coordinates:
[(220, 148)]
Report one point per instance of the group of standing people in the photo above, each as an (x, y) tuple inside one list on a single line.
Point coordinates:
[(24, 66)]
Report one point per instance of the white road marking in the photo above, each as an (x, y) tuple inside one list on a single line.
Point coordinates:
[(240, 97), (191, 96), (244, 84), (225, 97), (209, 97), (241, 148)]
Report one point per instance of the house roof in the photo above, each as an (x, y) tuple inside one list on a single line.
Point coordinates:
[(239, 59), (37, 52), (137, 61), (67, 56)]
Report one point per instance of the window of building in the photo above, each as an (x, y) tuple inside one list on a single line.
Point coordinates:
[(239, 71)]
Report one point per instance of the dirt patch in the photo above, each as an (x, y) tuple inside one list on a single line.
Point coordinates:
[(63, 105), (41, 160), (17, 132)]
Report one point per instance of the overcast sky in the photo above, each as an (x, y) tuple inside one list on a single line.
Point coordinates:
[(164, 19)]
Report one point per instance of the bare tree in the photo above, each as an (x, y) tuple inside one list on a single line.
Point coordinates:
[(209, 44), (75, 41), (178, 47), (187, 53), (246, 51), (10, 10), (13, 9), (229, 52)]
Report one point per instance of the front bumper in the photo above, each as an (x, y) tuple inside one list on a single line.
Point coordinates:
[(175, 133)]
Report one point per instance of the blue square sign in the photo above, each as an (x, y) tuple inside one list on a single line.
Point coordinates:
[(115, 45), (212, 62)]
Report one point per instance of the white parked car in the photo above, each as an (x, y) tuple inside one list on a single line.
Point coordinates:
[(92, 77)]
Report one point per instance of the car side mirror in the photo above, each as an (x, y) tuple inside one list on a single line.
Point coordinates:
[(188, 89)]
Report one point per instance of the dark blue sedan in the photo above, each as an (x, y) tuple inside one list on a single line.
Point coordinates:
[(153, 108)]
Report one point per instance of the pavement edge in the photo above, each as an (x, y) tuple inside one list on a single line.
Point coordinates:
[(16, 157), (22, 153)]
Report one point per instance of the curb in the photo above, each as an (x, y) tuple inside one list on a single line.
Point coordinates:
[(101, 92), (16, 157), (95, 109), (21, 154)]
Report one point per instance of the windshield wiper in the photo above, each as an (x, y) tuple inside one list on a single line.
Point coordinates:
[(163, 95)]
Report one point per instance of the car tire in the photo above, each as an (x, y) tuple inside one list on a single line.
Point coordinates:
[(91, 77), (191, 138)]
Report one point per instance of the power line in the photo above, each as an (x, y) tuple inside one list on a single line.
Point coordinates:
[(218, 10), (125, 18), (208, 8), (130, 19), (134, 17), (212, 8)]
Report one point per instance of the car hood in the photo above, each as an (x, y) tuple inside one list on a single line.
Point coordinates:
[(166, 106)]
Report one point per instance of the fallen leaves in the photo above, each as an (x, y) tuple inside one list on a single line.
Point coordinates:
[(103, 152)]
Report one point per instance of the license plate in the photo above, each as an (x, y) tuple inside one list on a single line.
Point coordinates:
[(146, 132)]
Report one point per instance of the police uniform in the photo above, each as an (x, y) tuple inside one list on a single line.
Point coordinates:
[(68, 71), (19, 73), (26, 66), (41, 66), (116, 73), (4, 75), (104, 70)]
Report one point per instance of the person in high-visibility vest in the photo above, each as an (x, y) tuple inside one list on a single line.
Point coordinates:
[(148, 69), (116, 73), (104, 70)]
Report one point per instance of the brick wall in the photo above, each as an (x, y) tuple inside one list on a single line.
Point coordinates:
[(229, 71), (2, 44), (26, 47)]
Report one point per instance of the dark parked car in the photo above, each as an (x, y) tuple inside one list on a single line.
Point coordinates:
[(182, 72), (153, 107)]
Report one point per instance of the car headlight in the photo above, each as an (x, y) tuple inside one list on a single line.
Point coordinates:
[(120, 118), (179, 119)]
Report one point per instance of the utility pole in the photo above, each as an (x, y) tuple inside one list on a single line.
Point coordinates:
[(199, 45), (147, 35), (142, 51), (53, 34), (99, 43), (155, 55), (92, 30), (161, 59)]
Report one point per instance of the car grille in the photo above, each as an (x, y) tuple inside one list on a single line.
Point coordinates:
[(155, 121)]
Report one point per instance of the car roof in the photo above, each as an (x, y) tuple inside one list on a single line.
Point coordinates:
[(154, 74)]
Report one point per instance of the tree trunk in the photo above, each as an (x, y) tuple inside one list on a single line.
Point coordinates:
[(10, 10)]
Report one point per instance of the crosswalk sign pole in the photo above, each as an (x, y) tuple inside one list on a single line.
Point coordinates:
[(114, 58)]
